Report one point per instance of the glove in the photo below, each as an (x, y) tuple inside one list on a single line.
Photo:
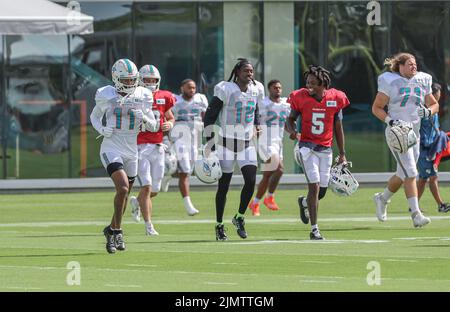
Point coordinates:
[(107, 131), (423, 112), (138, 115)]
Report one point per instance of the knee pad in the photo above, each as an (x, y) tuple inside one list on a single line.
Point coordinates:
[(113, 167), (131, 180)]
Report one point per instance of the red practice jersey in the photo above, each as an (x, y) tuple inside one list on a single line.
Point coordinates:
[(162, 101), (318, 117)]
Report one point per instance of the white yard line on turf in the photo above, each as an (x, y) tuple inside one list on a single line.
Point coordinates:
[(200, 221), (215, 283), (123, 286)]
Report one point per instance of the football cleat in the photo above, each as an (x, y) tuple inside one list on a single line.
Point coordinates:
[(118, 237), (419, 220), (239, 223), (110, 243), (381, 206), (150, 230), (254, 207), (270, 203), (135, 209), (315, 235), (445, 207), (304, 212), (221, 235)]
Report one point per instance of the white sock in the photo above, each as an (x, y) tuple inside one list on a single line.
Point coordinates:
[(187, 201), (314, 227), (304, 202), (256, 200), (148, 223), (269, 194), (414, 204), (387, 194)]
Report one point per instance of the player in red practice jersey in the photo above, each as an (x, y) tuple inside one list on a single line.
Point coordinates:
[(320, 109), (151, 148)]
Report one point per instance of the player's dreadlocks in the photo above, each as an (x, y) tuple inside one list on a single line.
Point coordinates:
[(320, 73), (242, 62)]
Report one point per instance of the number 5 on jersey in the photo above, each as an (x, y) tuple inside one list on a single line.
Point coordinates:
[(317, 123)]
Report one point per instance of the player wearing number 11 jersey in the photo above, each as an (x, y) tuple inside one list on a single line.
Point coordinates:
[(320, 109), (128, 110)]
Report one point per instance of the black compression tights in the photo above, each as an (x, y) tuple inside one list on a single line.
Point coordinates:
[(249, 175), (221, 195)]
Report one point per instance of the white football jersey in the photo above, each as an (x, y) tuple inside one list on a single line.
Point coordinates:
[(238, 111), (188, 111), (119, 115), (405, 95), (273, 118), (188, 119)]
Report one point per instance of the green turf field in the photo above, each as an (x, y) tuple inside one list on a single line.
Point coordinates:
[(41, 234)]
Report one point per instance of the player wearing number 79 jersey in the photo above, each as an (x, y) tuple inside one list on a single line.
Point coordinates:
[(407, 94), (320, 109)]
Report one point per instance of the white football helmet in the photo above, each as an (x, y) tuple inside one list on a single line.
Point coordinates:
[(342, 182), (149, 71), (170, 162), (124, 68), (208, 170), (401, 137)]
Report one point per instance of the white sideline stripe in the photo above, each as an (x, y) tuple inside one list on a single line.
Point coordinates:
[(126, 286), (400, 260), (331, 241), (229, 263), (316, 281), (23, 288), (142, 265), (201, 221), (215, 283), (425, 237)]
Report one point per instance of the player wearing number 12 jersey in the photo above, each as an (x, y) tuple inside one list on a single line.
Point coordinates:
[(235, 107), (320, 108)]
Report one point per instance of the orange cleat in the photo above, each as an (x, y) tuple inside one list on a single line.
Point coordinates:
[(270, 203), (254, 208)]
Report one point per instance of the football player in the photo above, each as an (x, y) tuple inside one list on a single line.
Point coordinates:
[(235, 105), (407, 95), (151, 147), (274, 111), (320, 108), (189, 110), (128, 109)]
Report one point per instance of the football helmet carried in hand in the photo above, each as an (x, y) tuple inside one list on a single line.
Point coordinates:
[(342, 182), (125, 69), (401, 137), (207, 169), (170, 161)]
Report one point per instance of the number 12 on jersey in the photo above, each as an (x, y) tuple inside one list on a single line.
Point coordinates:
[(249, 110)]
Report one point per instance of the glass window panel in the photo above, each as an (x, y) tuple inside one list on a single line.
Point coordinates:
[(37, 116), (92, 58)]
